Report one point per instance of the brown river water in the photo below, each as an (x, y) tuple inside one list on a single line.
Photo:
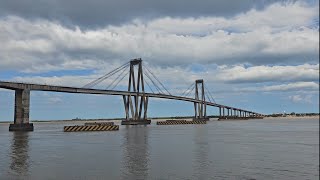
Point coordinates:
[(252, 149)]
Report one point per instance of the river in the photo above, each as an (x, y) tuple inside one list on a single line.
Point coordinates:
[(246, 149)]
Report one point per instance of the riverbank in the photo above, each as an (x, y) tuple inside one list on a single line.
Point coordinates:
[(294, 117), (157, 118)]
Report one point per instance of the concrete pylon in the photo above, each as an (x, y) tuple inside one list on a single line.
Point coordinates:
[(136, 109), (21, 111), (200, 108)]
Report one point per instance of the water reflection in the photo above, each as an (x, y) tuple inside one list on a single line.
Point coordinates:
[(135, 162), (19, 154), (201, 163)]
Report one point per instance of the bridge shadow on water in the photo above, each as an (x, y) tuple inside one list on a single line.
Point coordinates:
[(135, 162), (19, 165)]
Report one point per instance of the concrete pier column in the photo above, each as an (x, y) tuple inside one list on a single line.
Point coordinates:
[(223, 112), (21, 111), (219, 112)]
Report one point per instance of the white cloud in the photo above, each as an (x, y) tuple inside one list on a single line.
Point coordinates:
[(276, 34), (297, 86), (55, 100), (230, 75), (244, 22), (241, 74), (49, 98), (301, 99), (177, 78), (293, 87), (73, 81)]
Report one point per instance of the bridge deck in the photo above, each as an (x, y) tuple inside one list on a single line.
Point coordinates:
[(66, 89)]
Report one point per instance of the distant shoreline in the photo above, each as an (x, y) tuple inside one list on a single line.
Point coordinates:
[(293, 117), (157, 118)]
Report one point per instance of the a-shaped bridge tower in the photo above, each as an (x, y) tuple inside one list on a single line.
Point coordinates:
[(136, 108), (200, 108)]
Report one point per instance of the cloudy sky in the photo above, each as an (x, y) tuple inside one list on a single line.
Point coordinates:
[(261, 55)]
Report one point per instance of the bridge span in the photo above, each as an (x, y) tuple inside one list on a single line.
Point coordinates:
[(137, 106)]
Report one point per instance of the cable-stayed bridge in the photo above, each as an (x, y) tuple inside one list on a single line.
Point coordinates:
[(135, 97)]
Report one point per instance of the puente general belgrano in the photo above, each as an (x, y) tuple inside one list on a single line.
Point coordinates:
[(135, 98)]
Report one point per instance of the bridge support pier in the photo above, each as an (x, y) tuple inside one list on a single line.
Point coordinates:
[(138, 106), (21, 111), (200, 109)]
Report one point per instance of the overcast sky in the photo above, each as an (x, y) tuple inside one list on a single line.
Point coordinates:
[(257, 55)]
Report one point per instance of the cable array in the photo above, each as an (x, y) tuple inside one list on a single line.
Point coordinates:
[(190, 90), (155, 81), (151, 80), (106, 76), (187, 90), (189, 93), (118, 79), (209, 95)]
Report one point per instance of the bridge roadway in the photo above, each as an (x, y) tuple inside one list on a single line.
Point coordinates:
[(65, 89)]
